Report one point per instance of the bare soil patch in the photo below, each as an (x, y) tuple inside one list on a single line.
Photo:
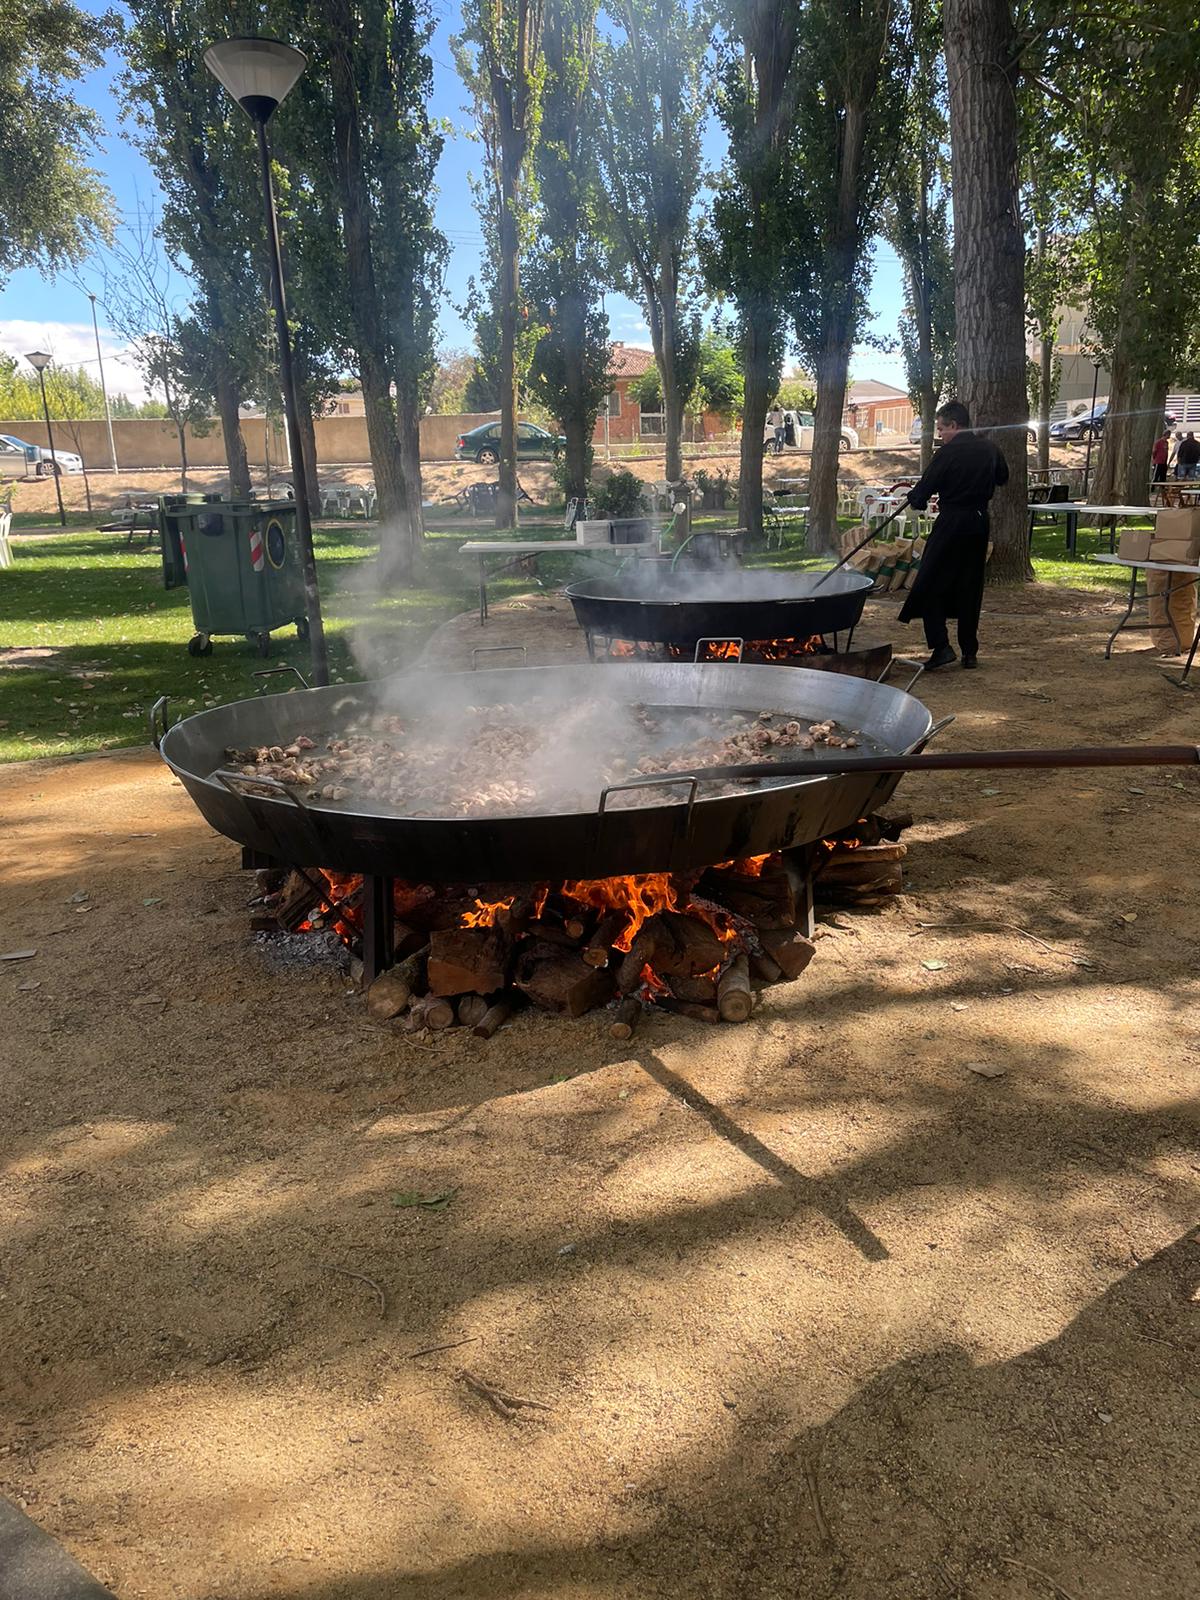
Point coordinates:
[(818, 1309)]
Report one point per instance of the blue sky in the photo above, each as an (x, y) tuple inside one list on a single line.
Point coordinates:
[(56, 316)]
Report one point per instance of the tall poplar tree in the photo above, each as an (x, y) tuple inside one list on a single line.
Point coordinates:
[(499, 57), (652, 104)]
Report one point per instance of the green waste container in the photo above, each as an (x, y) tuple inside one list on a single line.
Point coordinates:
[(241, 562)]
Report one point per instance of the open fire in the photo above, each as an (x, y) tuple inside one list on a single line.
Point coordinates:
[(696, 943), (760, 650)]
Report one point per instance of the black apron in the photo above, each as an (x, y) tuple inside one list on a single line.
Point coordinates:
[(949, 580)]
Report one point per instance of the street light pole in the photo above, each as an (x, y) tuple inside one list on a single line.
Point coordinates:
[(259, 73), (1087, 465), (39, 360), (112, 446)]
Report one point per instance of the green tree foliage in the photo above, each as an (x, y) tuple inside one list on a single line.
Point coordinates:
[(916, 222), (1132, 123), (360, 152), (448, 391), (652, 101), (719, 387), (499, 58), (198, 144), (856, 61), (757, 234), (569, 370), (54, 206)]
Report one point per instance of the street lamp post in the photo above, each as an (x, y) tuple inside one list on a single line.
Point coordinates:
[(259, 74), (112, 445), (1087, 465), (39, 360)]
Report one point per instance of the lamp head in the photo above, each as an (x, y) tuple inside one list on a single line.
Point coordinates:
[(258, 73), (39, 360)]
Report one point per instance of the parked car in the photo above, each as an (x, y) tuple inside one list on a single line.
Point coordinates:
[(798, 433), (914, 433), (36, 455), (482, 444)]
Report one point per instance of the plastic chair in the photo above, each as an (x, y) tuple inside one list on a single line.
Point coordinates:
[(6, 555)]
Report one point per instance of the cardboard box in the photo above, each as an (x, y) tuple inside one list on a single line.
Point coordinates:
[(1173, 550), (1134, 546), (1178, 522), (1171, 595)]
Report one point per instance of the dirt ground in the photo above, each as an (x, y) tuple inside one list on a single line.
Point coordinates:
[(818, 1310)]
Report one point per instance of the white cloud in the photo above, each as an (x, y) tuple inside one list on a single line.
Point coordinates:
[(73, 344)]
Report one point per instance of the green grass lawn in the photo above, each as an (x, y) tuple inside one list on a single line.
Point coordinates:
[(89, 638)]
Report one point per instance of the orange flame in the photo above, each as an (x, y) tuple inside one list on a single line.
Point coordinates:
[(652, 984), (638, 897), (486, 913)]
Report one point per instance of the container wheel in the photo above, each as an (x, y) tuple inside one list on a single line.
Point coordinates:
[(302, 629), (262, 643), (199, 645)]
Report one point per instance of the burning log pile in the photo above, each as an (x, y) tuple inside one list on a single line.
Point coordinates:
[(699, 944)]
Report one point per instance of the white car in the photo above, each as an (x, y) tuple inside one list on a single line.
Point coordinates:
[(14, 451), (798, 433)]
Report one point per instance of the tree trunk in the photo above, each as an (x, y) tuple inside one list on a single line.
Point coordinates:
[(989, 257), (510, 288), (366, 311), (1111, 459), (760, 378), (181, 430), (927, 397), (308, 448), (408, 427), (667, 355), (837, 332), (832, 367), (227, 398), (1147, 425), (1045, 384)]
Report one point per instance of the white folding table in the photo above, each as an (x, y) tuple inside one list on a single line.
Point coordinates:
[(1193, 577)]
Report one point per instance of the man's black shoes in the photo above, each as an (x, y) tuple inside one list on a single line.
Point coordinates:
[(970, 661), (943, 656)]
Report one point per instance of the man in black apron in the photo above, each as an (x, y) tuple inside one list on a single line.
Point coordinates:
[(964, 474)]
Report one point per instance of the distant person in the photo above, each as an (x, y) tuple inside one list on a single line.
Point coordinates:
[(1187, 457), (1176, 441), (778, 426), (1160, 455), (964, 474)]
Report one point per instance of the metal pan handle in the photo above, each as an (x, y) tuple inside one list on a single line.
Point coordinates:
[(653, 780), (714, 638), (158, 711), (902, 661), (938, 727), (495, 649), (240, 785), (273, 672)]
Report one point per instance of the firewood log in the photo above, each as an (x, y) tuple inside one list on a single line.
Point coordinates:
[(685, 944), (563, 983), (388, 995), (764, 967), (494, 1017), (641, 953), (297, 899), (629, 1014), (790, 951), (685, 1008), (467, 960), (432, 1011), (472, 1008), (735, 998), (598, 948), (701, 991)]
